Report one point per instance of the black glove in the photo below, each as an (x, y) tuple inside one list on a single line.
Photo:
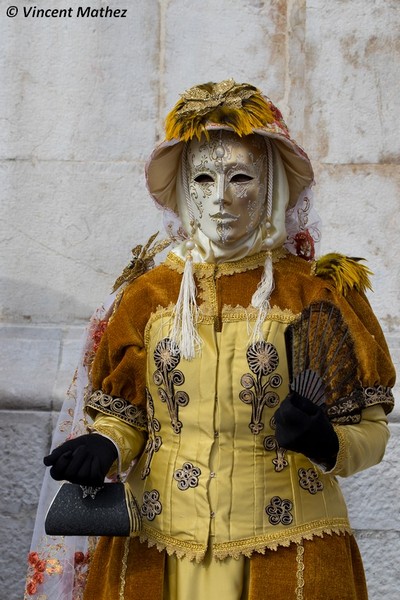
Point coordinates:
[(304, 427), (85, 460)]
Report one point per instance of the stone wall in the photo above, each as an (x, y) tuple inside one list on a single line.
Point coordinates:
[(82, 102)]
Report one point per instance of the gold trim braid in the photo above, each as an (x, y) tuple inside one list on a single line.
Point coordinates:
[(246, 547), (272, 541), (248, 263), (124, 569), (300, 571)]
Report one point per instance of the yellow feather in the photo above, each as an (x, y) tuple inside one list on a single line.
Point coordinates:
[(240, 106), (346, 272)]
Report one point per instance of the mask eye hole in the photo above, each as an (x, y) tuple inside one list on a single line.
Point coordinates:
[(241, 178), (204, 178)]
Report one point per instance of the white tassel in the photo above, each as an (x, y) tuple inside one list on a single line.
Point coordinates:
[(184, 328), (261, 298)]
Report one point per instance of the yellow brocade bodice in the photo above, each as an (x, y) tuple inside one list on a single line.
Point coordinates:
[(211, 471)]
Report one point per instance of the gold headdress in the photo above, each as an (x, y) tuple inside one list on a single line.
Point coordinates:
[(241, 107)]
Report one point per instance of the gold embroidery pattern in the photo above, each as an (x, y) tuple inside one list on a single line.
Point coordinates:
[(262, 358), (347, 410), (151, 506), (278, 511), (154, 441), (379, 395), (118, 407), (308, 480), (239, 313), (227, 268), (208, 295), (167, 356), (270, 444), (300, 571), (188, 476)]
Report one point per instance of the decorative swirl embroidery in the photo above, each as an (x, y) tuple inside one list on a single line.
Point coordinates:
[(118, 407), (270, 444), (154, 441), (166, 357), (187, 477), (278, 511), (263, 360), (151, 506), (308, 480), (347, 409), (378, 394)]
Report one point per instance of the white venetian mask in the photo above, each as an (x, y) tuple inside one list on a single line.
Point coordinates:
[(227, 184)]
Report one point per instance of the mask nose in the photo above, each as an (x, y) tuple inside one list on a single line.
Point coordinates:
[(220, 197)]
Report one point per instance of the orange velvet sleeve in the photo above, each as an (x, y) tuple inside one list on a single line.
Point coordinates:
[(119, 367), (376, 370), (120, 362)]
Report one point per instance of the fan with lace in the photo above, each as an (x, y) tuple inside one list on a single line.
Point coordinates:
[(322, 362)]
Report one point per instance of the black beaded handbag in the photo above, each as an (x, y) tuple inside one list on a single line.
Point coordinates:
[(109, 510)]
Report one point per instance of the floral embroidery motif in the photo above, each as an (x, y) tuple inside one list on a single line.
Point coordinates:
[(41, 568), (263, 360), (278, 511), (166, 357), (308, 480), (154, 441), (37, 570), (151, 506), (187, 477)]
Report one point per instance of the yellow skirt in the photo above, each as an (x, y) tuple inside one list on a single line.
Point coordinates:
[(327, 568)]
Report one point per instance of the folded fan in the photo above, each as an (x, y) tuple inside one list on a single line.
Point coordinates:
[(321, 357)]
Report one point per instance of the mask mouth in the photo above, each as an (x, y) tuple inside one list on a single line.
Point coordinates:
[(226, 217)]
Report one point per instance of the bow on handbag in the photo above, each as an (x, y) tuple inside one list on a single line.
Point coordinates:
[(109, 510)]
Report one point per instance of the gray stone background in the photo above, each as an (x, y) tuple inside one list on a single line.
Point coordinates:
[(82, 105)]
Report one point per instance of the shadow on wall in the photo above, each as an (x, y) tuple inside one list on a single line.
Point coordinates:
[(38, 353), (30, 303)]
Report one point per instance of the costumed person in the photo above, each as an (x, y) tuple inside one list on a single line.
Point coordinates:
[(241, 374)]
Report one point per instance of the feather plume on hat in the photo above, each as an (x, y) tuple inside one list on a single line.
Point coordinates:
[(241, 107)]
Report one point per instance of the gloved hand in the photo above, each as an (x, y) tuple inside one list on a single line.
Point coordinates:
[(85, 460), (304, 427)]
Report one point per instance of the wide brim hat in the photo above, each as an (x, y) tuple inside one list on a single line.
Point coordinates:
[(240, 108)]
